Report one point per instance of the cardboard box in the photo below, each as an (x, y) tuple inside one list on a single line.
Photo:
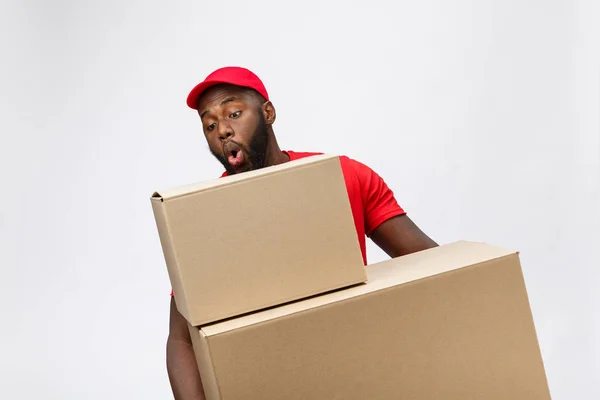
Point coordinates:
[(258, 239), (452, 322)]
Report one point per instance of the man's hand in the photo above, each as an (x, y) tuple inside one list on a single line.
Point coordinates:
[(399, 236), (181, 361)]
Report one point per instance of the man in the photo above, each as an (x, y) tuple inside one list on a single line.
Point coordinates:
[(237, 119)]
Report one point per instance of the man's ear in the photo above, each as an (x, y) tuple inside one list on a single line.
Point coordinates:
[(269, 113)]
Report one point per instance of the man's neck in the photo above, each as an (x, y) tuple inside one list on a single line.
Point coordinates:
[(274, 154)]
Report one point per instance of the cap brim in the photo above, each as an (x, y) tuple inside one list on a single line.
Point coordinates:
[(196, 92)]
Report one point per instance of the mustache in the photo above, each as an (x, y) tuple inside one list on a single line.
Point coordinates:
[(238, 144)]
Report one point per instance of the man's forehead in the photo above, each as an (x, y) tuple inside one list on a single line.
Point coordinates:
[(215, 95)]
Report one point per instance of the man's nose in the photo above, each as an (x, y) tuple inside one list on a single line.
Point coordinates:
[(225, 131)]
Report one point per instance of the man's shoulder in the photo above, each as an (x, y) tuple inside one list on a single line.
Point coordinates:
[(358, 176), (347, 162)]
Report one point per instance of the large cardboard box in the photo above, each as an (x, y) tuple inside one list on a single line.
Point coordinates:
[(245, 242), (452, 322)]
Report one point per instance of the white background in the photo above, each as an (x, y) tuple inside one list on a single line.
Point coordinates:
[(482, 116)]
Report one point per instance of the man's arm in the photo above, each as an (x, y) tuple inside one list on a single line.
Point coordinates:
[(399, 236), (386, 223), (181, 361)]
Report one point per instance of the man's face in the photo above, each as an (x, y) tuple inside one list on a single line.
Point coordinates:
[(235, 127)]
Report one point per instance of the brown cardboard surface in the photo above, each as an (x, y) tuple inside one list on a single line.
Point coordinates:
[(452, 322), (245, 242), (205, 366)]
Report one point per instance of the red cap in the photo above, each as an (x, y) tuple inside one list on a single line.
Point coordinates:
[(233, 75)]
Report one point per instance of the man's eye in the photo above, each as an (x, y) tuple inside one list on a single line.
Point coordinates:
[(210, 127), (235, 114)]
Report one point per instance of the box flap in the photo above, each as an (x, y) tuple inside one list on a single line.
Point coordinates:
[(409, 268), (213, 183), (156, 197)]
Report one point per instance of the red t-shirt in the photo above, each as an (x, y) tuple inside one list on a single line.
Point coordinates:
[(371, 200)]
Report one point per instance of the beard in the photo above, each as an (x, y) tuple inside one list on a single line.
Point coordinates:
[(256, 151)]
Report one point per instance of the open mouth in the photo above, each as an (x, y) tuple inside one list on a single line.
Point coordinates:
[(234, 154)]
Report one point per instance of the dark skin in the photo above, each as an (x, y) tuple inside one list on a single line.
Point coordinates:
[(232, 114)]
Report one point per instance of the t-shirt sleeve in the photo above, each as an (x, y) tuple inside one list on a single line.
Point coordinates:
[(379, 201)]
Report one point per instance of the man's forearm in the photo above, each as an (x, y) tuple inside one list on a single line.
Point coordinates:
[(183, 371)]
